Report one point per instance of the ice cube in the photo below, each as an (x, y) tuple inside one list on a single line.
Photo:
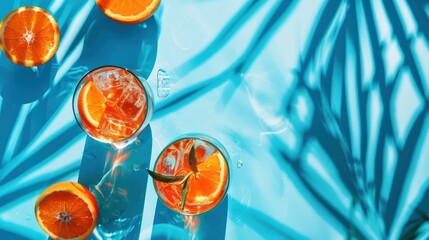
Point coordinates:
[(184, 145), (111, 82), (203, 150), (169, 163), (113, 125), (105, 80), (132, 102)]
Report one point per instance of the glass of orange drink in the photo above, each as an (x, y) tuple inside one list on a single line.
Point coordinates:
[(191, 175), (113, 104)]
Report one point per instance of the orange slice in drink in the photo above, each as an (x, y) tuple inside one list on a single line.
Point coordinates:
[(91, 105), (128, 11), (210, 183), (67, 210), (29, 36)]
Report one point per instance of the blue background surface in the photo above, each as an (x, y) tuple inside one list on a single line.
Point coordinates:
[(322, 106)]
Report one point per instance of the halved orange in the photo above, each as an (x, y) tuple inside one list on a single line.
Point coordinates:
[(67, 210), (91, 104), (29, 36), (128, 11), (209, 184)]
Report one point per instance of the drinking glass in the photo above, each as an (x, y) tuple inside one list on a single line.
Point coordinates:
[(191, 175), (113, 104)]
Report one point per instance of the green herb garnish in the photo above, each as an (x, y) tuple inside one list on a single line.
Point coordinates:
[(165, 178), (179, 180), (193, 160), (184, 193)]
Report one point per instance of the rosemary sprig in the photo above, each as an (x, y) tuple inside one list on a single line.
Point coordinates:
[(179, 180), (184, 193), (165, 178), (193, 160)]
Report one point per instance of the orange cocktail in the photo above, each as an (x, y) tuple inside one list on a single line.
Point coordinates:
[(111, 104), (191, 175)]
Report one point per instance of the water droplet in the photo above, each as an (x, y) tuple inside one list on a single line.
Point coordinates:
[(138, 142), (163, 83), (28, 218), (137, 167), (144, 25), (239, 163)]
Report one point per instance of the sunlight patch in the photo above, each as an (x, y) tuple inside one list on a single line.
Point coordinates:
[(393, 59), (382, 23), (420, 51), (367, 61), (374, 116), (405, 106), (303, 109), (406, 17), (319, 169), (352, 98), (390, 159)]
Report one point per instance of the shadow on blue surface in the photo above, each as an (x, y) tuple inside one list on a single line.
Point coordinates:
[(209, 225), (132, 46), (118, 180), (20, 86)]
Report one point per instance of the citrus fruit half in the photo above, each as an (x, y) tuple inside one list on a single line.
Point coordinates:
[(128, 11), (91, 104), (209, 184), (29, 36), (67, 210)]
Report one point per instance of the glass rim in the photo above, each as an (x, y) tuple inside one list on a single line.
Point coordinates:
[(217, 145), (148, 94)]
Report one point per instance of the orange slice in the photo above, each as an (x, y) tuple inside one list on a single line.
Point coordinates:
[(210, 183), (91, 105), (128, 11), (67, 210), (29, 36)]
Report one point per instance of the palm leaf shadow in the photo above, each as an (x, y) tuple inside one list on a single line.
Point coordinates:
[(51, 103), (386, 128), (322, 111), (404, 43), (231, 73), (307, 188), (39, 185), (40, 157), (47, 107), (404, 160), (417, 218), (8, 116), (405, 154), (417, 8), (263, 223), (222, 37)]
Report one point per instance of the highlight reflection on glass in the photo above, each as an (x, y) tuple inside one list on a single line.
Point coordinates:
[(191, 174), (112, 104)]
